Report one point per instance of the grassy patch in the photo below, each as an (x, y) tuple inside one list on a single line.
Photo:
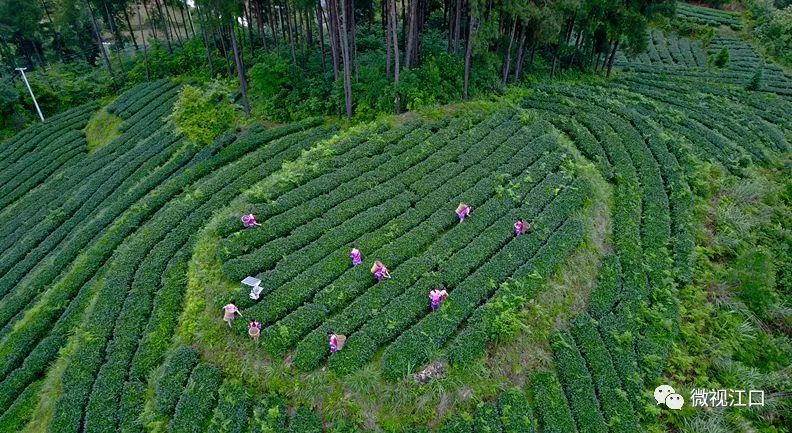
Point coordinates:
[(103, 128)]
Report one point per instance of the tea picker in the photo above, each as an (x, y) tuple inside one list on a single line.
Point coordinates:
[(463, 211), (249, 220), (255, 287)]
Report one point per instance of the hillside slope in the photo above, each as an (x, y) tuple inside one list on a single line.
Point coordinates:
[(115, 264)]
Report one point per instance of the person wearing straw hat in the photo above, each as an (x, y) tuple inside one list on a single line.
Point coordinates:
[(336, 341), (254, 330)]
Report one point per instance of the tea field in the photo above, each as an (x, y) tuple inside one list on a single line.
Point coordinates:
[(115, 263)]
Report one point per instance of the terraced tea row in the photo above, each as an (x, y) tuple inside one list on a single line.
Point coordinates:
[(708, 16), (411, 192), (670, 50)]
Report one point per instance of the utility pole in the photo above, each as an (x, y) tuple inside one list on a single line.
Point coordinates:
[(24, 78)]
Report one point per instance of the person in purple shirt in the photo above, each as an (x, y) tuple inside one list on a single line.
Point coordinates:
[(254, 330), (355, 255), (436, 296), (463, 211), (521, 227), (380, 271), (249, 220)]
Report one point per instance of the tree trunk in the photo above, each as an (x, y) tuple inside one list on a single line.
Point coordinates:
[(143, 41), (99, 44), (352, 34), (395, 40), (184, 20), (189, 17), (448, 16), (332, 25), (612, 56), (533, 54), (272, 24), (345, 48), (412, 33), (225, 51), (518, 67), (291, 32), (113, 29), (148, 15), (260, 22), (457, 20), (387, 32), (320, 30), (40, 55), (249, 18), (118, 43), (574, 52), (172, 22), (469, 55), (507, 55), (131, 32), (164, 26), (240, 67), (605, 60), (206, 44), (281, 24), (57, 37), (308, 29), (404, 16)]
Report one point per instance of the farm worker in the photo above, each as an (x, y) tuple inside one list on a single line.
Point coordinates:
[(521, 227), (254, 330), (336, 341), (230, 311), (380, 271), (462, 211), (436, 297), (355, 255), (249, 220)]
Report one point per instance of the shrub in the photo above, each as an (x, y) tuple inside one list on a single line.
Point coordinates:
[(551, 406), (753, 275), (233, 408), (722, 59), (173, 378), (269, 415), (516, 414), (305, 421), (196, 403), (577, 383), (756, 80), (486, 419), (457, 423), (202, 115)]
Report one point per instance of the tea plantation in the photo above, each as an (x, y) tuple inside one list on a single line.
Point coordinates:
[(115, 263)]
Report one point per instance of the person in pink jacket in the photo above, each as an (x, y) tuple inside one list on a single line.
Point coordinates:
[(436, 296), (355, 256), (521, 227), (463, 211), (230, 311), (249, 220), (254, 330), (380, 271)]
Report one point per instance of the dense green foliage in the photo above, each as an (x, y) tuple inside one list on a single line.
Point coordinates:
[(202, 116), (773, 29)]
